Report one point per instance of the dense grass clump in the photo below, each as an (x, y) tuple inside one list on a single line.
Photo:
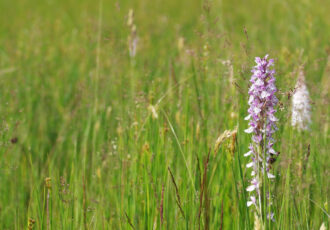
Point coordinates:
[(130, 114)]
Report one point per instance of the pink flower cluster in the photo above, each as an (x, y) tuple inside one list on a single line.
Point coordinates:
[(262, 102)]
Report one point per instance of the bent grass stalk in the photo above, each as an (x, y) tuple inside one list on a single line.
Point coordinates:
[(181, 151)]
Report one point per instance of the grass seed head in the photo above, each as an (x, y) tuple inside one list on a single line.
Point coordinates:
[(224, 136), (257, 222), (323, 227), (31, 223), (153, 110), (48, 184), (301, 115)]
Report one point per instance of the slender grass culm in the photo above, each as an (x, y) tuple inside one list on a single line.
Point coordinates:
[(262, 101)]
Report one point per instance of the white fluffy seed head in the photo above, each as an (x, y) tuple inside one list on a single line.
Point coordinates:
[(301, 115), (323, 226)]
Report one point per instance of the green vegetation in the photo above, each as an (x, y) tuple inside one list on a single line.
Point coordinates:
[(90, 136)]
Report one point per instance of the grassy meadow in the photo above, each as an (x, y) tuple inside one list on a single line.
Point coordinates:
[(95, 137)]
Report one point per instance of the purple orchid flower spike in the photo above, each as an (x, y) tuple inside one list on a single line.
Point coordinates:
[(262, 125)]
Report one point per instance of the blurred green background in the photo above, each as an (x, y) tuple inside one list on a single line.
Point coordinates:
[(105, 127)]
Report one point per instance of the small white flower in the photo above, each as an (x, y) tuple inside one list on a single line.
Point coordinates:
[(259, 82), (249, 165), (251, 201), (257, 72), (270, 176), (256, 110), (251, 98), (273, 118), (264, 94), (248, 153), (249, 130), (247, 117), (272, 151), (270, 216), (251, 188)]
